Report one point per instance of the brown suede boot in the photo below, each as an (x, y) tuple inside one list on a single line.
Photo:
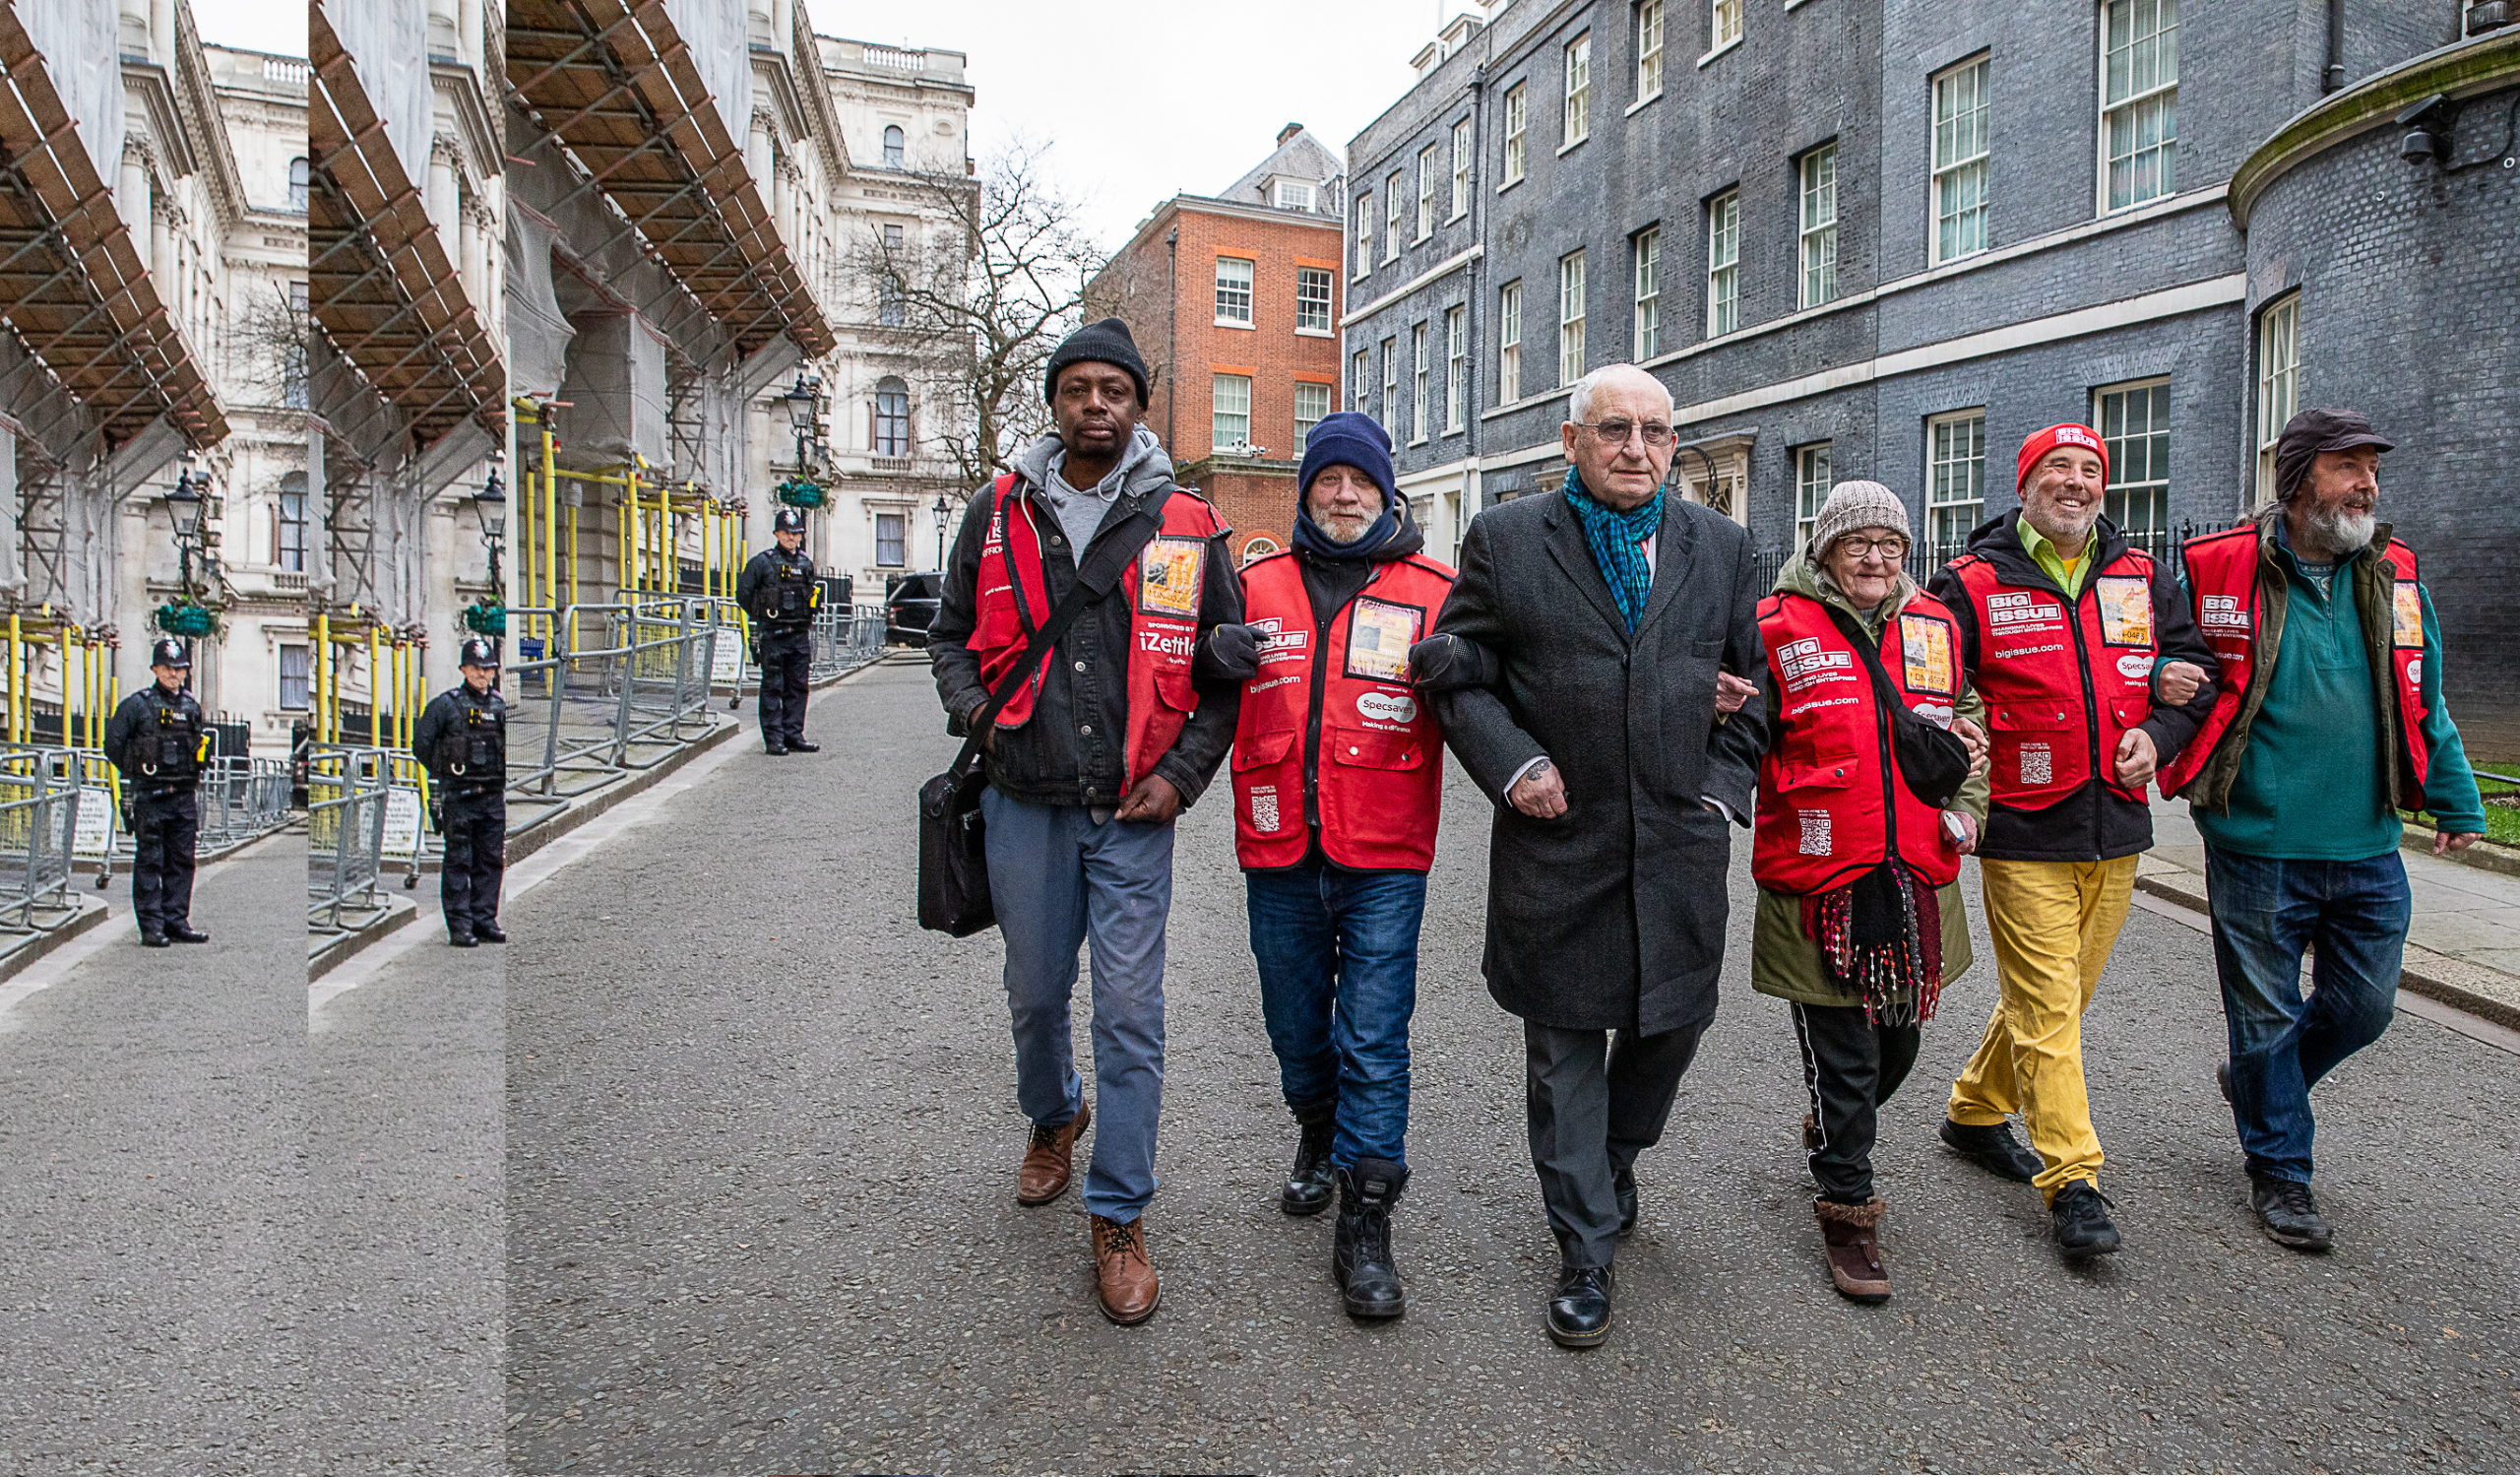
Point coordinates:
[(1050, 1160), (1123, 1279), (1810, 1134), (1854, 1252)]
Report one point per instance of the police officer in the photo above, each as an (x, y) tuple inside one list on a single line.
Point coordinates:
[(463, 739), (160, 740), (778, 591)]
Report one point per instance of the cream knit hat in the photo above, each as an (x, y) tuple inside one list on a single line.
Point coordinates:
[(1855, 505)]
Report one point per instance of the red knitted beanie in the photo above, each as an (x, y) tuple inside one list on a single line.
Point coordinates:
[(2070, 433)]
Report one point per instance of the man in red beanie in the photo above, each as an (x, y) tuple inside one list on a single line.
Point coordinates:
[(2094, 677)]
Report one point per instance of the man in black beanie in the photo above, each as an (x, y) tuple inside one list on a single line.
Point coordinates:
[(1099, 743)]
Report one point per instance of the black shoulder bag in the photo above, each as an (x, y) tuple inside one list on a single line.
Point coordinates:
[(953, 854), (1932, 761)]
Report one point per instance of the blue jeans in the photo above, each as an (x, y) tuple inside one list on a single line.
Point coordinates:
[(1338, 955), (2265, 912), (1060, 881)]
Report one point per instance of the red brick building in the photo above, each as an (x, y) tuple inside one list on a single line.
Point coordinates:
[(1235, 301)]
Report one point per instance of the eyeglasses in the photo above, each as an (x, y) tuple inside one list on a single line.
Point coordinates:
[(1616, 432), (1893, 549)]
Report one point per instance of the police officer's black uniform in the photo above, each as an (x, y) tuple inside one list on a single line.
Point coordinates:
[(159, 741), (463, 739), (778, 591)]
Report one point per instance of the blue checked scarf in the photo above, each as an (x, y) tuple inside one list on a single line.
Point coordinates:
[(1615, 537)]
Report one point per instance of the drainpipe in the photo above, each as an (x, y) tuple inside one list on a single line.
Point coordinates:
[(1473, 295), (2334, 77), (1172, 327)]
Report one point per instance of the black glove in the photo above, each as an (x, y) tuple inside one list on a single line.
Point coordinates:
[(1449, 662), (1232, 653)]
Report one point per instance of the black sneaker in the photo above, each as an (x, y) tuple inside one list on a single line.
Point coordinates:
[(2080, 1213), (2288, 1214), (1992, 1148)]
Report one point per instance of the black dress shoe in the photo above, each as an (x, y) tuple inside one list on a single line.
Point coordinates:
[(463, 940), (186, 934), (153, 940), (800, 746), (1308, 1184), (1626, 1188), (2288, 1214), (1994, 1149), (490, 933), (775, 750), (1579, 1311), (2080, 1213)]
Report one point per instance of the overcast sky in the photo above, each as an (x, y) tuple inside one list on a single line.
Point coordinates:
[(1137, 99)]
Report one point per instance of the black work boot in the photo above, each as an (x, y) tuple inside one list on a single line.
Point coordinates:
[(2288, 1213), (1361, 1251), (1992, 1148), (1307, 1190), (2080, 1214)]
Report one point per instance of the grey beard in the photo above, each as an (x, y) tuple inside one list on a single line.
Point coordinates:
[(2342, 531), (1344, 540), (2063, 531)]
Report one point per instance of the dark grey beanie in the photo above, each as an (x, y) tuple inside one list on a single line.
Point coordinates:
[(1105, 343)]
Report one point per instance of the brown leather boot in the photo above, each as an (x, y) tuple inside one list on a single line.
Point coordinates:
[(1123, 1279), (1810, 1134), (1050, 1160), (1854, 1252)]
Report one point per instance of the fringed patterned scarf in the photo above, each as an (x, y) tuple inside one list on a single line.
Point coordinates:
[(1618, 543), (1881, 935)]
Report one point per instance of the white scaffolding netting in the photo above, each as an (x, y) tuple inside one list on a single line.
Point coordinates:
[(615, 390), (386, 41), (722, 53), (538, 333), (83, 54)]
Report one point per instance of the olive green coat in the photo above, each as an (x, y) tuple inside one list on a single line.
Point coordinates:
[(1785, 962)]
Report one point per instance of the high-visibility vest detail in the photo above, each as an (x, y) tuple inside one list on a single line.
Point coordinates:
[(1331, 730), (1162, 587), (1832, 805), (2064, 682)]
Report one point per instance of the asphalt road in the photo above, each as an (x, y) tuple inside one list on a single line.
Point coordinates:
[(761, 1143), (151, 1146)]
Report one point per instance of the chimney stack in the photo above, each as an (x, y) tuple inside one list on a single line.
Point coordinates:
[(1289, 132)]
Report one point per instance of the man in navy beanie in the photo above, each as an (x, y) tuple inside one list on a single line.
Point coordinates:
[(1337, 780)]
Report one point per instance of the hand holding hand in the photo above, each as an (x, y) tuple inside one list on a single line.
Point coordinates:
[(2137, 759), (1154, 801), (2178, 682), (1731, 692), (1973, 739), (1540, 794), (1232, 652)]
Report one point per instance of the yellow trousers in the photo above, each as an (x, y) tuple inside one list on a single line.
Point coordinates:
[(2053, 924)]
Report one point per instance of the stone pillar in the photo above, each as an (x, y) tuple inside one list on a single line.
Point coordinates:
[(757, 152), (132, 198), (444, 204)]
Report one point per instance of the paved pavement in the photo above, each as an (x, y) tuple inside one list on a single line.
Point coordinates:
[(151, 1146), (761, 1139)]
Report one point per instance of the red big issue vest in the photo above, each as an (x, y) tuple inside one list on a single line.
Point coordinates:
[(2222, 579), (1378, 767), (2062, 685), (1829, 789), (1162, 586)]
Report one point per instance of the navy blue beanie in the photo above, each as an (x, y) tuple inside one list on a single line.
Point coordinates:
[(1348, 439)]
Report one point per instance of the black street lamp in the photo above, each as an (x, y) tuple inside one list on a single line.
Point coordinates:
[(803, 404), (186, 507), (491, 505), (944, 511)]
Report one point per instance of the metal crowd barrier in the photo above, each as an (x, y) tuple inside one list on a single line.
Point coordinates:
[(241, 798), (613, 687), (38, 820), (346, 791), (846, 640)]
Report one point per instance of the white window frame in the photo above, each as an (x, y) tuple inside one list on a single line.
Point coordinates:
[(1425, 193), (1320, 393), (1391, 217), (1810, 489), (2154, 460), (1390, 383), (1220, 388), (901, 541), (1364, 234), (1952, 165), (1723, 25), (1518, 123), (1293, 195), (1951, 462), (2160, 100), (1509, 343), (1571, 318), (1575, 118), (1361, 374), (1456, 367), (1324, 299), (1724, 264), (1245, 291), (2279, 381), (1649, 292), (1461, 170), (1817, 171), (1649, 51), (1418, 367)]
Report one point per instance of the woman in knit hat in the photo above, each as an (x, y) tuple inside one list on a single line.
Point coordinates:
[(1859, 921)]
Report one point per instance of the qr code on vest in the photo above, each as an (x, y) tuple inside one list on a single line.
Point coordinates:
[(1815, 832), (2038, 765), (1264, 809)]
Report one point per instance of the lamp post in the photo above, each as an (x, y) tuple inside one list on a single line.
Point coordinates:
[(186, 506), (943, 511), (804, 402), (491, 505)]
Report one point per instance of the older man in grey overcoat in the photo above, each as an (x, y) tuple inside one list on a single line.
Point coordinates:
[(1609, 607)]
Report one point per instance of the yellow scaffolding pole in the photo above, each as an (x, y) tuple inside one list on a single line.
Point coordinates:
[(323, 693), (376, 693)]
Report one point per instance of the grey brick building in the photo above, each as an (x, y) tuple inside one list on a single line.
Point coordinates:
[(1891, 241)]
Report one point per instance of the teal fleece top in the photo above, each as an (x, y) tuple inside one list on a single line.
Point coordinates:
[(2309, 786)]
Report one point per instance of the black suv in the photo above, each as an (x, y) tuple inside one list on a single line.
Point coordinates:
[(909, 608)]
